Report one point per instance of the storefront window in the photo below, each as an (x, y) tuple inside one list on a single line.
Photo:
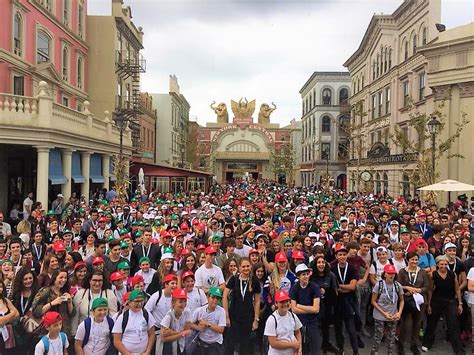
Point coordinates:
[(196, 183), (178, 184), (160, 184)]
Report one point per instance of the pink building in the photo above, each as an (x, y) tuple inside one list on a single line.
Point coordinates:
[(44, 40)]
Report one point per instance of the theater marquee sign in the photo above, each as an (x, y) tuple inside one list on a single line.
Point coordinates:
[(234, 127)]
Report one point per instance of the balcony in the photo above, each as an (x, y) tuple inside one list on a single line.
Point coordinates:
[(129, 63), (32, 120)]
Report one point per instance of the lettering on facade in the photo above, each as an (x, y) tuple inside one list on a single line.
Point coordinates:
[(398, 158), (250, 127)]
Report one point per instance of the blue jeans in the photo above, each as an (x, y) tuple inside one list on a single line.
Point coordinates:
[(312, 339)]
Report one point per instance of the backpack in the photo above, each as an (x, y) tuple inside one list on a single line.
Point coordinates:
[(397, 289), (126, 315), (88, 325), (45, 341)]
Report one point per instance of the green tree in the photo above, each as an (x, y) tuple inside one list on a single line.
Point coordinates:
[(283, 161)]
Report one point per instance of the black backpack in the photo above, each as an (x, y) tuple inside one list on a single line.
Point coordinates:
[(126, 315)]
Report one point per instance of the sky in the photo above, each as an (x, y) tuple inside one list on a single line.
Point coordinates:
[(258, 49)]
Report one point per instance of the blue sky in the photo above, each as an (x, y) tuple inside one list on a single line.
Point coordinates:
[(262, 49)]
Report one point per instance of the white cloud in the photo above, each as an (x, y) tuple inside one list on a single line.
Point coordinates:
[(264, 50)]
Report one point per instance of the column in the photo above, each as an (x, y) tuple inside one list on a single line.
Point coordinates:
[(86, 167), (67, 171), (42, 176), (106, 171)]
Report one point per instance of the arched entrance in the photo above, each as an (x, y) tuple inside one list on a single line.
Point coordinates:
[(341, 181)]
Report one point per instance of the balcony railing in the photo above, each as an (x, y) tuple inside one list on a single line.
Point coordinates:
[(41, 114)]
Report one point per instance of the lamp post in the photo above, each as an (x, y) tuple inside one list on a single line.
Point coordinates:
[(121, 121), (434, 126)]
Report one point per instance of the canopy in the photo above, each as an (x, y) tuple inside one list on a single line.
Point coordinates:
[(448, 185)]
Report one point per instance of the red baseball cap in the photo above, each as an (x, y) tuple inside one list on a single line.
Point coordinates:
[(195, 222), (210, 250), (280, 257), (59, 246), (202, 227), (183, 225), (79, 264), (136, 279), (180, 293), (102, 219), (170, 277), (420, 241), (125, 296), (187, 274), (298, 254), (253, 251), (51, 318), (97, 260), (389, 269), (281, 296), (341, 248), (201, 247), (115, 276)]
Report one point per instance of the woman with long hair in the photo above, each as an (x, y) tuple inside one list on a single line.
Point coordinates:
[(7, 277), (259, 274), (50, 264), (464, 247), (24, 229), (77, 278), (326, 280), (242, 307), (55, 297), (281, 278), (229, 269), (88, 249), (70, 261), (38, 247), (166, 265), (8, 314)]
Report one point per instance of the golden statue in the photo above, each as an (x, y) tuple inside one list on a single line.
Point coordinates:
[(243, 109), (221, 112), (265, 112)]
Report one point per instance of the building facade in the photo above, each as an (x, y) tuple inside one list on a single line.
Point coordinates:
[(450, 76), (324, 144), (147, 123), (296, 139), (172, 119), (50, 142), (388, 83), (115, 68), (243, 149)]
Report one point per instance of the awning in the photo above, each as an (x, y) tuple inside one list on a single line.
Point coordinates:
[(56, 176), (76, 174), (111, 170), (96, 169)]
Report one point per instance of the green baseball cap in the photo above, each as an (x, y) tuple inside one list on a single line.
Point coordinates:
[(123, 231), (67, 231), (174, 217), (144, 259), (287, 240), (100, 302), (50, 212), (214, 291), (123, 244), (168, 250), (138, 234), (404, 231), (135, 294), (216, 238), (123, 265)]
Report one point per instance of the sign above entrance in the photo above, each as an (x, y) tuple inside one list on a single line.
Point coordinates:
[(234, 127), (242, 166)]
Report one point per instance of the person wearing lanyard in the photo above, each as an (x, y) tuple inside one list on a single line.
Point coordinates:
[(97, 327), (242, 315), (346, 309), (146, 248), (138, 334), (387, 300), (85, 297), (414, 280)]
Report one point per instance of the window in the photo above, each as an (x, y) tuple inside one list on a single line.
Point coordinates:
[(65, 64), (314, 98), (310, 101), (66, 12), (374, 106), (373, 70), (406, 50), (389, 59), (79, 106), (326, 124), (43, 43), (380, 99), (415, 39), (387, 100), (327, 97), (385, 136), (18, 85), (378, 65), (325, 151), (196, 183), (424, 36), (421, 86), (362, 81), (79, 72), (80, 20), (372, 138), (66, 101), (406, 94), (17, 33), (343, 97), (385, 60), (160, 184)]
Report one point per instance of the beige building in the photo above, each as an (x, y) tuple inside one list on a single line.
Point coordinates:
[(172, 120), (115, 66), (451, 77), (388, 73), (324, 143)]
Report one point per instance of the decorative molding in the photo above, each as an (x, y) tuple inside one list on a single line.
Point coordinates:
[(442, 92), (466, 89)]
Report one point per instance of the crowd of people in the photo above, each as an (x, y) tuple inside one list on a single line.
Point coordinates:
[(248, 268)]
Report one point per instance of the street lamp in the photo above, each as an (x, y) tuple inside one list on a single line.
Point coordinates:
[(121, 121), (434, 126)]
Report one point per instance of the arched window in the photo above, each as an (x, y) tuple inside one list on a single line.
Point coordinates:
[(43, 47), (406, 50), (65, 66), (385, 183), (326, 124), (327, 97), (343, 97), (424, 36), (79, 72), (17, 33), (415, 39)]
